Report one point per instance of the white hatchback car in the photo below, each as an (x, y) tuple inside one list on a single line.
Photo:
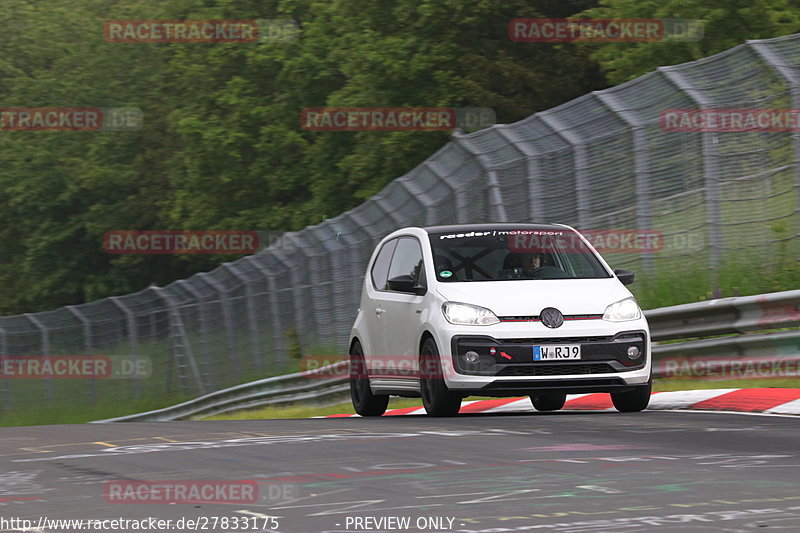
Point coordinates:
[(496, 310)]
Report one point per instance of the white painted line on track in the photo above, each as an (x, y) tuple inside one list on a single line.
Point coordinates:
[(706, 412)]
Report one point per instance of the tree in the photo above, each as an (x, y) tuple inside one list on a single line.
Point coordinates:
[(726, 23)]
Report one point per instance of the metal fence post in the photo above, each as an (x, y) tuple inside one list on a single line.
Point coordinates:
[(710, 168), (133, 337), (45, 345), (181, 348), (300, 322), (581, 164), (278, 340), (230, 337), (252, 319), (783, 68), (497, 211), (536, 210), (207, 377), (641, 164), (88, 348), (4, 353)]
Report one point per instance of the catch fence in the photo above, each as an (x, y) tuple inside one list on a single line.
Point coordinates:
[(721, 202)]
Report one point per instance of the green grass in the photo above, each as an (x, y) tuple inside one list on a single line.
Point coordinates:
[(659, 385), (72, 403), (670, 384), (45, 415), (304, 411)]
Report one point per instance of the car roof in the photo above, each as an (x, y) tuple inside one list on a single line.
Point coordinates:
[(496, 226)]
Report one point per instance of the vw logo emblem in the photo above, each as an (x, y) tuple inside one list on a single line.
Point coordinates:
[(552, 317)]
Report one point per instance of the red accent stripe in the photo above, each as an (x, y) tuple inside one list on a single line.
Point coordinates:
[(483, 405), (749, 400), (595, 317), (338, 416), (600, 400)]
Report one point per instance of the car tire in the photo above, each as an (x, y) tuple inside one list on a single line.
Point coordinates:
[(548, 402), (365, 402), (436, 398), (632, 401)]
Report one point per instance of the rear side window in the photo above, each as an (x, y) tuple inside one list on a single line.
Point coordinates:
[(380, 269), (408, 260)]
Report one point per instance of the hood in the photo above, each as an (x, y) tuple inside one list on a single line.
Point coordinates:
[(529, 297)]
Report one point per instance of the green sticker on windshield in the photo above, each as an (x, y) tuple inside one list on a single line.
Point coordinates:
[(445, 273)]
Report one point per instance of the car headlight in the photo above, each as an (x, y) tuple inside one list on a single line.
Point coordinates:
[(623, 310), (466, 314)]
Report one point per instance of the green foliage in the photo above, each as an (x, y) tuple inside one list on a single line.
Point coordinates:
[(221, 146), (726, 23)]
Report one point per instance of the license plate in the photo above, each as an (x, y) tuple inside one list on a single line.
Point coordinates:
[(556, 352)]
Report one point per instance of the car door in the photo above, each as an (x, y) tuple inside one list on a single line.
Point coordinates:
[(372, 306), (401, 316)]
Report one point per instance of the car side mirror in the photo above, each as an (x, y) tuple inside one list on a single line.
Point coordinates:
[(405, 283), (625, 276)]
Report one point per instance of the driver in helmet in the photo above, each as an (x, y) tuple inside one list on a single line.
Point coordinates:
[(530, 263)]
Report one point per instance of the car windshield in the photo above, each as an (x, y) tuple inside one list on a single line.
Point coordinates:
[(513, 254)]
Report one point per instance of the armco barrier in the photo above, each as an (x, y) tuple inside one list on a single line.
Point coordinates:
[(292, 388), (740, 318), (724, 316)]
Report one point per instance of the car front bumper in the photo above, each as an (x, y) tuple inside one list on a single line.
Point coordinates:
[(506, 359)]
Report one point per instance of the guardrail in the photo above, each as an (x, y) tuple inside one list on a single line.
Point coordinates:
[(738, 337), (736, 324), (309, 386), (723, 316)]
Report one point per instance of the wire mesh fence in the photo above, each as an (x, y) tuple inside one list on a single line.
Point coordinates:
[(721, 202)]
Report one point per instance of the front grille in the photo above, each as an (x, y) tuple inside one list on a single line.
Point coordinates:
[(536, 318), (556, 370), (569, 385)]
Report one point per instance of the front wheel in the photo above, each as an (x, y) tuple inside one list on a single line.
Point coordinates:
[(548, 402), (436, 398), (365, 402), (632, 401)]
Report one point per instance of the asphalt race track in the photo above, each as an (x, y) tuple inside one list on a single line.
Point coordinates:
[(570, 472)]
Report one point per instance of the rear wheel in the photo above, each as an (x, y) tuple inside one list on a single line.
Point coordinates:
[(364, 401), (436, 398), (632, 401), (549, 401)]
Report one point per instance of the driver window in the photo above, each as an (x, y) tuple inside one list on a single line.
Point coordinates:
[(380, 270), (407, 259)]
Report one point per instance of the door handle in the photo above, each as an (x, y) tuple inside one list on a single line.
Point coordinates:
[(379, 311)]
